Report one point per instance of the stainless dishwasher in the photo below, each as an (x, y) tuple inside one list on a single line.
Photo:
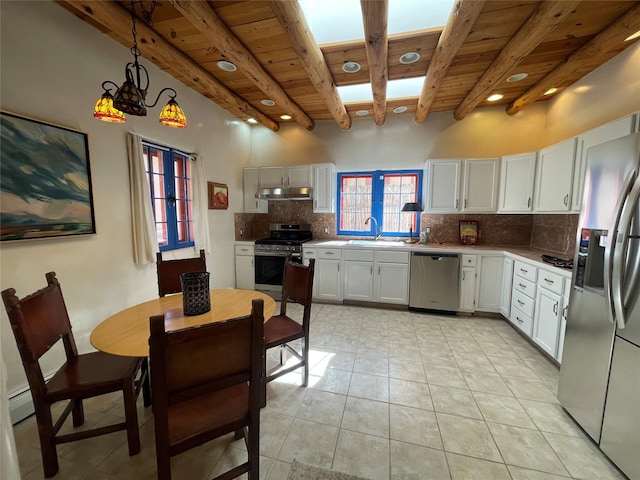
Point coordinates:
[(434, 281)]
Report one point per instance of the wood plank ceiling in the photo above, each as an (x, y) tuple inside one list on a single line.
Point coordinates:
[(556, 42)]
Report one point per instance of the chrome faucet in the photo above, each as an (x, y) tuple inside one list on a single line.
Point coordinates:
[(376, 233)]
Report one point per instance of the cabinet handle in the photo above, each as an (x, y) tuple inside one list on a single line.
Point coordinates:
[(288, 180), (328, 253), (252, 262), (338, 268), (518, 319), (315, 203), (281, 180), (378, 270), (456, 203), (523, 270), (549, 281), (256, 203), (465, 203), (522, 286), (521, 303), (566, 200), (564, 312), (463, 275), (555, 308), (529, 202)]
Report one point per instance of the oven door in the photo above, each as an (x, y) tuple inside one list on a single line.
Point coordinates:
[(269, 268)]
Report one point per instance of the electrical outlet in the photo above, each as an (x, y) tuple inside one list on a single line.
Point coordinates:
[(242, 232), (326, 230)]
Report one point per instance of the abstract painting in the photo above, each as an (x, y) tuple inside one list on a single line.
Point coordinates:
[(45, 181)]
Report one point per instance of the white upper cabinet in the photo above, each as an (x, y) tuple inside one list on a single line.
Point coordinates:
[(462, 185), (443, 185), (324, 188), (294, 176), (517, 173), (605, 133), (480, 185), (554, 177), (250, 186)]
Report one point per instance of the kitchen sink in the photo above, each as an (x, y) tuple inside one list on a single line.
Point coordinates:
[(377, 243)]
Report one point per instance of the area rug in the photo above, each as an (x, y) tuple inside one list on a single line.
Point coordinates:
[(302, 471)]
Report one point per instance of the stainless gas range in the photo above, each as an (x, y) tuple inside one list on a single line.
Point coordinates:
[(285, 239)]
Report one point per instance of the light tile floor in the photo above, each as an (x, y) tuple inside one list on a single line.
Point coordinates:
[(392, 395)]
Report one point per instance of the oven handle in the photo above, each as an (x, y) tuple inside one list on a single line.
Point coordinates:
[(277, 254)]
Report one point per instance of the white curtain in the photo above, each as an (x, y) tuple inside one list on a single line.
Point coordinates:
[(145, 241), (200, 205)]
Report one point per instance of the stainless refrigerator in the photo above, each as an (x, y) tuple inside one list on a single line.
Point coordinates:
[(600, 372)]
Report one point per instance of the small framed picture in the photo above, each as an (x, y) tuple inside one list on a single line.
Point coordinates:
[(218, 196), (468, 232)]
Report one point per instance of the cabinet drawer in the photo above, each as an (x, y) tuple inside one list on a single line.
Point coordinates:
[(551, 281), (310, 252), (469, 260), (524, 286), (522, 321), (525, 271), (360, 255), (244, 250), (332, 253), (520, 301), (392, 257)]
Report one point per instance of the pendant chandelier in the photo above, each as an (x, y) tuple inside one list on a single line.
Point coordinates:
[(131, 96)]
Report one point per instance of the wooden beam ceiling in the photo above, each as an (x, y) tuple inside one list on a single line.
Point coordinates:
[(544, 19), (294, 24), (593, 52), (374, 17), (213, 28), (459, 24), (152, 46)]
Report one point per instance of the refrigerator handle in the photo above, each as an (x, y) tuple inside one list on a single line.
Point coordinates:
[(610, 251), (621, 239)]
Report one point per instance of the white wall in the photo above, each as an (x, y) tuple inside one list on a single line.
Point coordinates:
[(52, 67), (608, 93)]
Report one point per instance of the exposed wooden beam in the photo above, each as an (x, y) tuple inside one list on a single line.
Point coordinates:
[(590, 54), (204, 18), (292, 20), (543, 21), (461, 20), (152, 46), (374, 17)]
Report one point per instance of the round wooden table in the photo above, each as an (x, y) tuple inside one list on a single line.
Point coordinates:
[(127, 332)]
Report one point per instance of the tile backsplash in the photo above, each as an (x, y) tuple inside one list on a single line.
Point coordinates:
[(554, 233)]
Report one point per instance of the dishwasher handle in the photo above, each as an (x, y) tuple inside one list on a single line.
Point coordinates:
[(435, 256)]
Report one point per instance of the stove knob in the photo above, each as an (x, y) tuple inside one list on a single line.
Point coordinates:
[(287, 248)]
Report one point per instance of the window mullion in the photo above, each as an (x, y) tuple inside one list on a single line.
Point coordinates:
[(170, 193)]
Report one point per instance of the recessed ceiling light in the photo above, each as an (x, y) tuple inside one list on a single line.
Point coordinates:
[(409, 57), (495, 97), (362, 113), (517, 77), (285, 117), (351, 67), (226, 66), (400, 109), (551, 90), (252, 120), (268, 103), (632, 37)]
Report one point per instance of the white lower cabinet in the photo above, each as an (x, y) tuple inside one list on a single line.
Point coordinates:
[(468, 283), (523, 294), (490, 284), (328, 274), (391, 277), (547, 320), (245, 267), (307, 254), (507, 282), (376, 276), (358, 275)]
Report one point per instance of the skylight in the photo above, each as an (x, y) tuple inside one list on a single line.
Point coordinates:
[(404, 87), (341, 20)]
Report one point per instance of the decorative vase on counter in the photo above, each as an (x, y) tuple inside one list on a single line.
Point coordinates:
[(195, 293)]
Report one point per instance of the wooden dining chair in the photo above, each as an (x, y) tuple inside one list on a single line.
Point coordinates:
[(206, 382), (38, 321), (280, 330), (169, 271)]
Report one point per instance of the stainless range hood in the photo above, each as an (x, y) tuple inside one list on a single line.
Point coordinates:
[(285, 193)]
